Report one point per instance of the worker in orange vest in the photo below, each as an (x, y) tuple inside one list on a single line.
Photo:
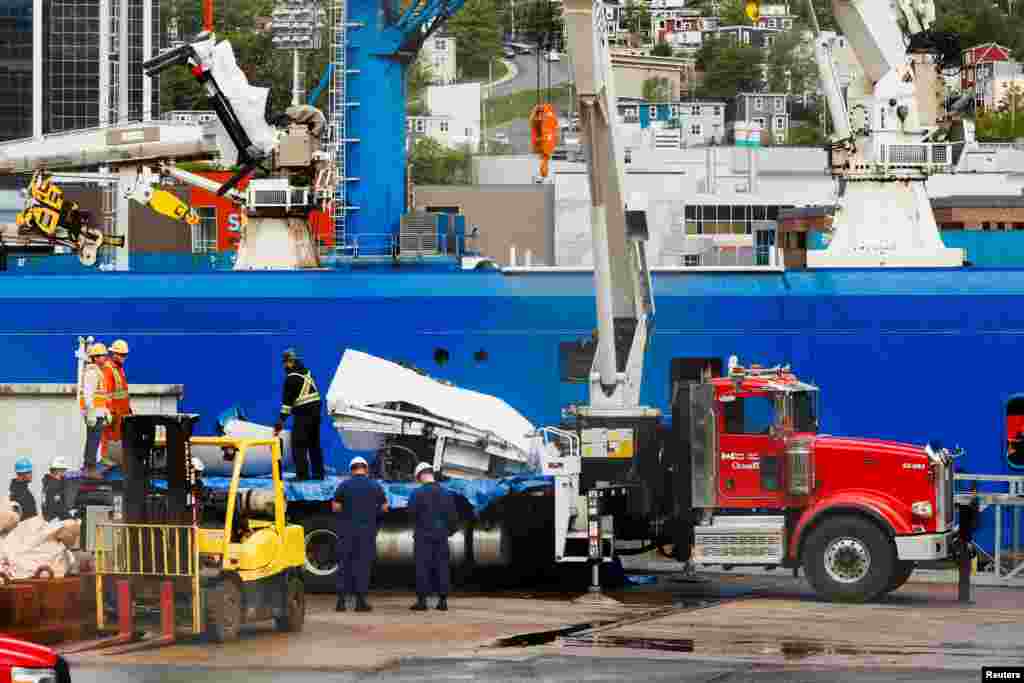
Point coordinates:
[(94, 399), (120, 406)]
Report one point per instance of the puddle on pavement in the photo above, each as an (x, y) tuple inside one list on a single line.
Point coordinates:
[(660, 644), (546, 637)]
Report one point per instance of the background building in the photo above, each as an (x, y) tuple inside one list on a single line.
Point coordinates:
[(90, 64), (458, 106), (438, 55), (767, 111)]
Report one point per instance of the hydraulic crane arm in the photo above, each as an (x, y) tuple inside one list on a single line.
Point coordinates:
[(625, 306)]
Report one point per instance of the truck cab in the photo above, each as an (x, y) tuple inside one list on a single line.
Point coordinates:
[(768, 489), (24, 662)]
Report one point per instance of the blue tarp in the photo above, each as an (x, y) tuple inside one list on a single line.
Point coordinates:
[(478, 493)]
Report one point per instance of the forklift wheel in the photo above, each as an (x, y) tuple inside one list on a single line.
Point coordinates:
[(224, 613), (294, 618)]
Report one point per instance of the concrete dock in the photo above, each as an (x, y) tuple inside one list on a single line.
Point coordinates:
[(723, 620)]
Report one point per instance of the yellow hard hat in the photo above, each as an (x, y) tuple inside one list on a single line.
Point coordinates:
[(120, 346), (97, 349)]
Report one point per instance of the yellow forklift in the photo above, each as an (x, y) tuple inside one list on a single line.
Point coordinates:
[(223, 557)]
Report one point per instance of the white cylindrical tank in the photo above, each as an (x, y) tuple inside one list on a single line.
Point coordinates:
[(257, 460)]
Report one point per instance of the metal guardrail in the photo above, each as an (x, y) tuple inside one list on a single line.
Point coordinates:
[(384, 244), (1013, 497)]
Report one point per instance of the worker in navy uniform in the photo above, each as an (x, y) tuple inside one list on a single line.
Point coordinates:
[(20, 493), (301, 400), (55, 498), (360, 503), (434, 517)]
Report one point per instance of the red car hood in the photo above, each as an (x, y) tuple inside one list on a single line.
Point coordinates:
[(876, 446), (18, 653)]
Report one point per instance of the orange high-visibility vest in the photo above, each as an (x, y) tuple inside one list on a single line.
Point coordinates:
[(119, 398), (116, 388), (101, 398)]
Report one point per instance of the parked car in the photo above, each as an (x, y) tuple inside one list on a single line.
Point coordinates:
[(509, 53), (500, 138), (24, 662), (553, 56)]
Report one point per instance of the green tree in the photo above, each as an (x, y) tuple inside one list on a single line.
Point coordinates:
[(807, 135), (661, 49), (789, 64), (417, 78), (733, 13), (636, 17), (657, 89), (477, 37), (431, 163), (729, 69)]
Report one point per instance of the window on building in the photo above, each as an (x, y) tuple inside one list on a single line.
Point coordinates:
[(204, 233), (769, 41), (691, 260), (746, 37), (780, 138), (444, 126), (439, 44), (696, 110), (780, 122), (652, 111), (696, 129), (758, 121), (675, 110), (780, 104), (469, 132), (421, 125), (717, 111), (759, 103)]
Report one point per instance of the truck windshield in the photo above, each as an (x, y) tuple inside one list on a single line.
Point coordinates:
[(805, 411)]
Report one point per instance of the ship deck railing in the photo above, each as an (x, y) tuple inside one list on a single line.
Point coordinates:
[(1008, 561)]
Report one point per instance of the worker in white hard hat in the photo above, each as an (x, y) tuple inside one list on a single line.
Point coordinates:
[(360, 503), (434, 518), (94, 401), (55, 495)]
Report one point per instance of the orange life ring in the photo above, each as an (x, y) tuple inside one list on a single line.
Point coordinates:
[(544, 133)]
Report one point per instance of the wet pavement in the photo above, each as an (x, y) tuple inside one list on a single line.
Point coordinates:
[(724, 628)]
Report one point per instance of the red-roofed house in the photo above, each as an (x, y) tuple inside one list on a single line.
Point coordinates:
[(980, 54)]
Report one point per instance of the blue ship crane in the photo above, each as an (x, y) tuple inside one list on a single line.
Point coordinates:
[(374, 42)]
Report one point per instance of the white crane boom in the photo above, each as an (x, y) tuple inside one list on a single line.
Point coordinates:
[(884, 218), (625, 306)]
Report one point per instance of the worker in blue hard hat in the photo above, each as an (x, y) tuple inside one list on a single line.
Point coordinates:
[(360, 503), (434, 518), (301, 401), (19, 488)]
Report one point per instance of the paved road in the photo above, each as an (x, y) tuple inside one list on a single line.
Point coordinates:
[(526, 78), (546, 668)]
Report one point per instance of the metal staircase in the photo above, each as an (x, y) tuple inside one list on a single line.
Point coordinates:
[(340, 138)]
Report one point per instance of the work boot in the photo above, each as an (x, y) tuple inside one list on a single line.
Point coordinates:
[(421, 604), (442, 603), (340, 607), (362, 605)]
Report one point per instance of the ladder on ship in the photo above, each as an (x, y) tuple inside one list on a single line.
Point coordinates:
[(340, 138)]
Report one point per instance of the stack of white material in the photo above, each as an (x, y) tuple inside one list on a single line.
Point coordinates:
[(33, 544)]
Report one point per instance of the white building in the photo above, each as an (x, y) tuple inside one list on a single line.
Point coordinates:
[(454, 115), (993, 79), (706, 206), (438, 56)]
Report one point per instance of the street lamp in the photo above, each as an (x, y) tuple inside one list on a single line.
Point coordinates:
[(296, 25)]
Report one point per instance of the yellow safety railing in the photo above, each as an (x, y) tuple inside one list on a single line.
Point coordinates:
[(147, 550)]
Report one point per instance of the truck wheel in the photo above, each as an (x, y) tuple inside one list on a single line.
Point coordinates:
[(900, 575), (295, 616), (224, 611), (849, 559), (321, 565)]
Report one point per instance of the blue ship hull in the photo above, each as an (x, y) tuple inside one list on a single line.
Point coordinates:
[(905, 355)]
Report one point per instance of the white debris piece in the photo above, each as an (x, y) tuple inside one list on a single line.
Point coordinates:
[(365, 380), (34, 544)]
